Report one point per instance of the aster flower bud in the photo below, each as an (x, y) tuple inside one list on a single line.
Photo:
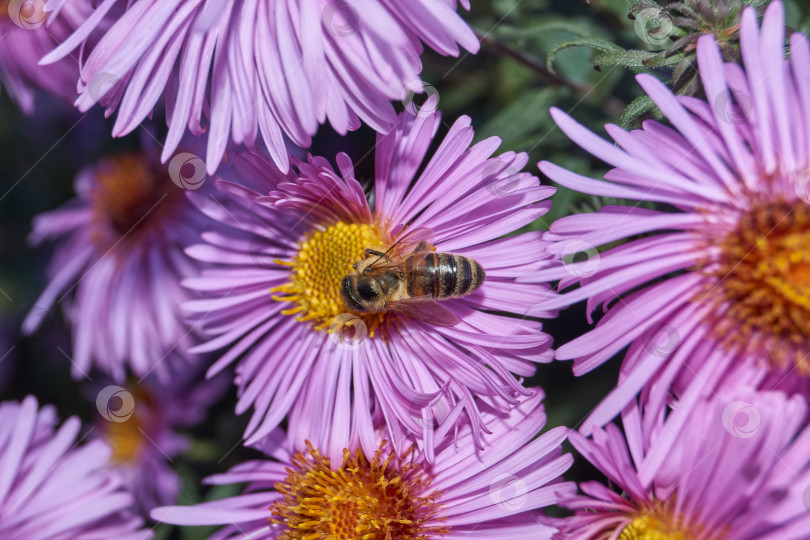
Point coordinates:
[(674, 28)]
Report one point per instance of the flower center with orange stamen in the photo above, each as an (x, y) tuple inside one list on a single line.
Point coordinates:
[(125, 434), (125, 439), (376, 499), (663, 523), (325, 257), (128, 199), (763, 277)]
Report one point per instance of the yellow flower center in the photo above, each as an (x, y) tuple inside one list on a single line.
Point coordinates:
[(377, 499), (128, 199), (763, 276), (650, 528), (125, 438), (324, 258), (126, 431), (663, 523)]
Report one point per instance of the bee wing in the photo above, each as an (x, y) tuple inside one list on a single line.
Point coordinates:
[(400, 260), (416, 240), (424, 310), (411, 240), (406, 231)]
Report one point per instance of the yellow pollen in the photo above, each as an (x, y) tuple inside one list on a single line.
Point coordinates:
[(128, 198), (762, 280), (663, 523), (324, 258), (385, 498)]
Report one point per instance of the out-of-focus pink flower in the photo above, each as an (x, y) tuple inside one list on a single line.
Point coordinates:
[(261, 69), (140, 422), (27, 33), (51, 486), (117, 268)]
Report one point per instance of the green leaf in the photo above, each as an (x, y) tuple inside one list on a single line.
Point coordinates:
[(633, 59), (662, 60), (637, 107), (522, 117)]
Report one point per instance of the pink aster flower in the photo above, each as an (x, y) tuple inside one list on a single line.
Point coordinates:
[(710, 286), (261, 69), (738, 470), (27, 33), (118, 265), (141, 423), (466, 493), (52, 486), (275, 294)]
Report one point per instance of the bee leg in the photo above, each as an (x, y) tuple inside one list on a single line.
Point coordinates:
[(370, 252)]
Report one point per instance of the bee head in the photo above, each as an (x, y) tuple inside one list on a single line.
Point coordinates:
[(359, 292)]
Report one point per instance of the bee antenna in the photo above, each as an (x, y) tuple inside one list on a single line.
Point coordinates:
[(383, 255)]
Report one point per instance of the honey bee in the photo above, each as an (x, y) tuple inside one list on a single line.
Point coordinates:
[(410, 284)]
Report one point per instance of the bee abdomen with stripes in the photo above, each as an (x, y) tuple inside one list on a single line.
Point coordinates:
[(442, 275)]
